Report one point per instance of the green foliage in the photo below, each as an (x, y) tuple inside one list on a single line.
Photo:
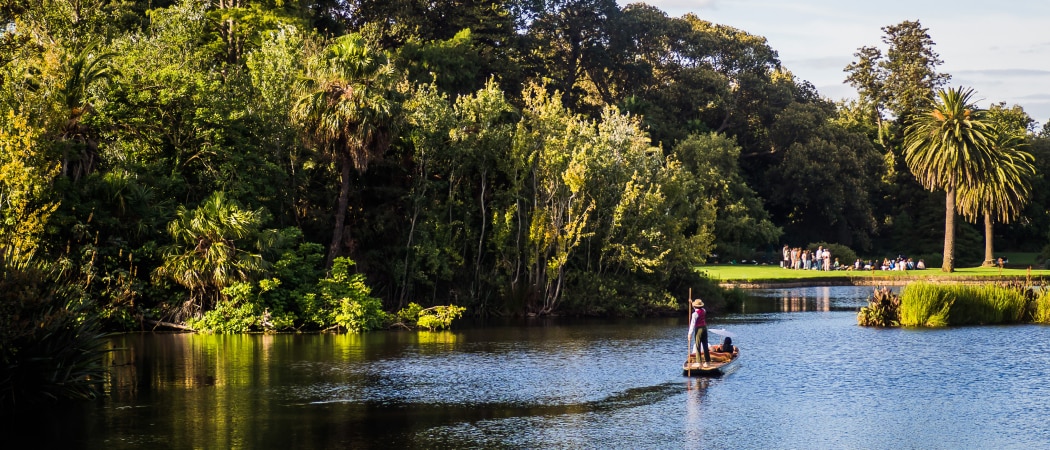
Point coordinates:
[(1041, 313), (741, 223), (26, 176), (656, 141), (342, 299), (883, 310), (439, 317), (900, 81), (209, 252), (243, 309), (295, 276), (409, 314), (938, 305), (234, 314), (432, 318), (926, 305), (51, 348), (348, 109)]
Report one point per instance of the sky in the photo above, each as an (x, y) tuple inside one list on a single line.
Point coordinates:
[(1001, 49)]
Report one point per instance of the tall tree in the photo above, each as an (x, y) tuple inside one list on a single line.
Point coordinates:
[(567, 43), (895, 83), (947, 146), (346, 106), (868, 77), (910, 67), (742, 223), (1004, 189), (898, 83)]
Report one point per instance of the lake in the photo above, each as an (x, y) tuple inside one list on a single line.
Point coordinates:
[(809, 378)]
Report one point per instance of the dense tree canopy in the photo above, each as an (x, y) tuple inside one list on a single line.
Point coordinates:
[(196, 160)]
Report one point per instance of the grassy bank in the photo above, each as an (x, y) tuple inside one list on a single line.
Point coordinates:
[(744, 275)]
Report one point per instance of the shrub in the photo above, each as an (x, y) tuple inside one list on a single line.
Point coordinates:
[(242, 312), (343, 299), (845, 254), (51, 348), (432, 318), (883, 310), (439, 317)]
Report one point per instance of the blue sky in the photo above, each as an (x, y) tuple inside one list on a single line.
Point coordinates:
[(1001, 48)]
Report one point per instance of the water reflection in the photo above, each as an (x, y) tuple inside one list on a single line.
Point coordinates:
[(807, 299), (573, 384)]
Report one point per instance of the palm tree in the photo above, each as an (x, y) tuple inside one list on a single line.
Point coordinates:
[(947, 146), (345, 105), (205, 257), (1004, 190), (86, 68)]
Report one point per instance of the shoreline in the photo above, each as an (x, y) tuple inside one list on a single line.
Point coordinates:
[(900, 280)]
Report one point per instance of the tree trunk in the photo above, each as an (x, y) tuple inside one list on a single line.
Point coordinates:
[(948, 263), (989, 253), (340, 210)]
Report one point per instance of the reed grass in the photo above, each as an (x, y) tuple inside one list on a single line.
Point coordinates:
[(938, 305), (1041, 307), (925, 305)]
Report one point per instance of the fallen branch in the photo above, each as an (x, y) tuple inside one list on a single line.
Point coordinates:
[(158, 323)]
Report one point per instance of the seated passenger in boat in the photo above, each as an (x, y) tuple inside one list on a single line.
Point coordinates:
[(724, 351)]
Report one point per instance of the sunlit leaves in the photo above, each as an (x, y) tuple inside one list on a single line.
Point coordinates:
[(211, 249), (27, 173), (950, 143)]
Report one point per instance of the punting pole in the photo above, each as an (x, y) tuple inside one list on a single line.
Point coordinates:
[(688, 338)]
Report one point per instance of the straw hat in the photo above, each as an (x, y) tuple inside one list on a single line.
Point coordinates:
[(698, 303)]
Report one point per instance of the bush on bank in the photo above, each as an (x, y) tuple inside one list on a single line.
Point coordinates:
[(51, 348)]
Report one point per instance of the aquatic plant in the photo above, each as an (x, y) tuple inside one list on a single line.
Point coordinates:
[(925, 305), (1041, 307), (883, 310), (938, 305)]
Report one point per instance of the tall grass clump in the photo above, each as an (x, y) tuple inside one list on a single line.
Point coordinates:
[(1041, 307), (998, 304), (925, 305), (939, 305)]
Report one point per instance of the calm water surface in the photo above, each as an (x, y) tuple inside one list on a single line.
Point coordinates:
[(810, 378)]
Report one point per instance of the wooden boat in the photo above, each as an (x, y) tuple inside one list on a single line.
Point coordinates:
[(717, 367)]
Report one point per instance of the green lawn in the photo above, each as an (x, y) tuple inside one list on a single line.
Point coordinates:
[(1022, 259), (758, 273)]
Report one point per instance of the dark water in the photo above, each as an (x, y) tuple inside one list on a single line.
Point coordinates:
[(809, 378)]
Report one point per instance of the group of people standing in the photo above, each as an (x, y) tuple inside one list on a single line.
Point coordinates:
[(804, 259)]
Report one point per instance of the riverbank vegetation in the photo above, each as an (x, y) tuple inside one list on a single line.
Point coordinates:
[(277, 166), (51, 343), (303, 166), (926, 304)]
